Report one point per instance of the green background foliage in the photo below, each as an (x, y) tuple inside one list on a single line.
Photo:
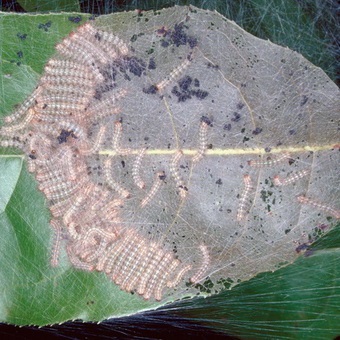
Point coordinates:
[(299, 301)]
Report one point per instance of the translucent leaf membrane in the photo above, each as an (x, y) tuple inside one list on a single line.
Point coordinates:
[(178, 154)]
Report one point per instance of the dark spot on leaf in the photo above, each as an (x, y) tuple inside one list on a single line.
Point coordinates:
[(237, 117), (45, 26), (76, 19), (152, 64), (303, 100), (22, 36), (227, 127), (185, 83), (206, 120), (257, 131), (151, 89)]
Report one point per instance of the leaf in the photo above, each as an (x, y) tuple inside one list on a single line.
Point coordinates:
[(45, 6), (223, 102)]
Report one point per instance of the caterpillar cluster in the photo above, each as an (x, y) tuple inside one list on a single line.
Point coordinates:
[(65, 121)]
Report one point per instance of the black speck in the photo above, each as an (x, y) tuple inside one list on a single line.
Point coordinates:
[(152, 64), (227, 127), (267, 149), (292, 132), (178, 37), (206, 120), (134, 38), (185, 83), (200, 94), (22, 36), (45, 26), (164, 43), (75, 20), (135, 66), (213, 66), (257, 131), (192, 42), (151, 89), (20, 54), (302, 247), (196, 82), (64, 134), (182, 96), (240, 106), (123, 164), (32, 156), (162, 177), (237, 117), (219, 181), (183, 90), (97, 36), (303, 100)]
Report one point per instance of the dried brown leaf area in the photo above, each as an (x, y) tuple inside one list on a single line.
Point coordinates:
[(182, 158)]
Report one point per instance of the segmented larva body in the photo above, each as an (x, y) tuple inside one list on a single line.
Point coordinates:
[(177, 279), (98, 38), (113, 40), (176, 176), (203, 145), (68, 48), (103, 108), (12, 143), (75, 82), (80, 92), (278, 181), (159, 179), (86, 45), (332, 211), (22, 110), (48, 106), (244, 203), (117, 135), (111, 182), (8, 130), (76, 262), (173, 75), (97, 142), (270, 161), (136, 170), (72, 71), (204, 266), (56, 243)]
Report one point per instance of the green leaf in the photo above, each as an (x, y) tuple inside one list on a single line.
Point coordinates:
[(50, 6), (300, 301)]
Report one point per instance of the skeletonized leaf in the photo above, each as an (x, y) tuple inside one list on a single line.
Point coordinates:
[(178, 159)]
